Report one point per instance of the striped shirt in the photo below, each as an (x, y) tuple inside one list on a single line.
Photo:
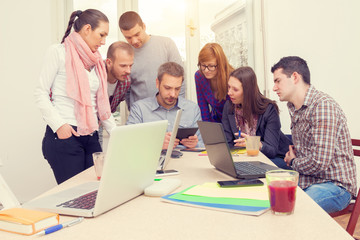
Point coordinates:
[(322, 142)]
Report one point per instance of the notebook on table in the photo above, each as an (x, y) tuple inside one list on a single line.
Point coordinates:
[(128, 169), (220, 156), (166, 155)]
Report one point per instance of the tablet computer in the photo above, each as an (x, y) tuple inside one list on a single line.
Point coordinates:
[(185, 132)]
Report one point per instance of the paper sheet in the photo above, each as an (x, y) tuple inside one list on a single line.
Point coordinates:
[(213, 190)]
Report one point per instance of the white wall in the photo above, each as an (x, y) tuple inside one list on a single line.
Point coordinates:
[(25, 34), (326, 33)]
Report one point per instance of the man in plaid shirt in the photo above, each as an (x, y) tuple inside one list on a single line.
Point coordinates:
[(120, 58), (322, 152)]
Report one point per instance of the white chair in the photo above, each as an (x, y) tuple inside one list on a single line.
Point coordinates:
[(7, 197)]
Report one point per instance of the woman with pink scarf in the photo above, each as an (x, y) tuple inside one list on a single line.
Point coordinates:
[(72, 95)]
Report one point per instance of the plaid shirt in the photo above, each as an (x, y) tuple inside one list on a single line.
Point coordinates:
[(205, 98), (322, 142), (119, 94)]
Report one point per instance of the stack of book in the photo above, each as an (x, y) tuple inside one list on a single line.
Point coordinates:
[(242, 200), (26, 221)]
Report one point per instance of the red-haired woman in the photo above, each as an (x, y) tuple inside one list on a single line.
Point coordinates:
[(211, 81)]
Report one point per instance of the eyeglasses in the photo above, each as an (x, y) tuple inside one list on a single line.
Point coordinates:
[(209, 67)]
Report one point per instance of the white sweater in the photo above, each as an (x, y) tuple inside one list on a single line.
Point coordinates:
[(53, 76)]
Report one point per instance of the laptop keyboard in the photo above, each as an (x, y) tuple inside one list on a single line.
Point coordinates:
[(86, 201), (248, 168)]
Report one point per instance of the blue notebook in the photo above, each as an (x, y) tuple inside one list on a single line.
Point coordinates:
[(235, 205)]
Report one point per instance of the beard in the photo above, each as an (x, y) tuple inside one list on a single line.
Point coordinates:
[(170, 101), (118, 76)]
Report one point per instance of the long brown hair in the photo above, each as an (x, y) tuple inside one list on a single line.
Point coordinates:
[(254, 103), (207, 53)]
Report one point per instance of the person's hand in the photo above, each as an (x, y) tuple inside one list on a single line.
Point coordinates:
[(240, 142), (167, 140), (190, 142), (290, 155), (66, 131)]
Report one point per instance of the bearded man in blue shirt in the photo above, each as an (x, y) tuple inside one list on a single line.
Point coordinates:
[(164, 105)]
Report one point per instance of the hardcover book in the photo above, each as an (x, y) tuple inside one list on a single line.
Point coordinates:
[(26, 221)]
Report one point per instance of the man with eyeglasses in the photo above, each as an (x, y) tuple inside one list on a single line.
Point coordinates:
[(150, 52)]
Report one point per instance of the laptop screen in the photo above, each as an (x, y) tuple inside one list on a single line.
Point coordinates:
[(216, 145), (172, 139)]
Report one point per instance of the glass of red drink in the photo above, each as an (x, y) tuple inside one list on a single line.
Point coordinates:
[(282, 190)]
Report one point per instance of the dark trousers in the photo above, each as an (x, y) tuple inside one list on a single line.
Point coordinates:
[(68, 157)]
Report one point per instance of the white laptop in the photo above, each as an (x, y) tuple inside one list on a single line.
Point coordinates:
[(129, 168), (165, 158)]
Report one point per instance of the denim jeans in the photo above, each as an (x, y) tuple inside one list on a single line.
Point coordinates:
[(329, 196), (280, 163)]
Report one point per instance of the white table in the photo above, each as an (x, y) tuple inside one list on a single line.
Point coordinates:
[(150, 218)]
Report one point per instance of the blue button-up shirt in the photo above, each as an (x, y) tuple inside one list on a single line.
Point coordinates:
[(149, 110)]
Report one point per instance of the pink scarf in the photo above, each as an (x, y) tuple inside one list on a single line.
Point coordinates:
[(78, 58)]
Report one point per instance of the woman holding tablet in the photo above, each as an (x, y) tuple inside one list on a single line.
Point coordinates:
[(72, 95), (255, 115)]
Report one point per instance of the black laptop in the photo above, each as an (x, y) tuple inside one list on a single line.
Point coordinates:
[(220, 156)]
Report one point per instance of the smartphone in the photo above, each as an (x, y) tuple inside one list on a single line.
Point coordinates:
[(185, 132), (160, 173), (241, 183)]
